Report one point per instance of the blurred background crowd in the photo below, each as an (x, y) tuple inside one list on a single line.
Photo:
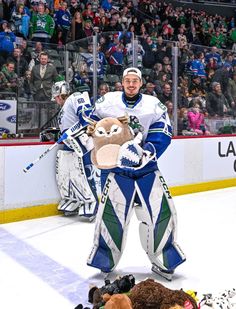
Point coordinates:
[(90, 44)]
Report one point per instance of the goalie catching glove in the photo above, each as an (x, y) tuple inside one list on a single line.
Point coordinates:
[(133, 156)]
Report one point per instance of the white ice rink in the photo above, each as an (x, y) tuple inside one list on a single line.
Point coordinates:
[(43, 261)]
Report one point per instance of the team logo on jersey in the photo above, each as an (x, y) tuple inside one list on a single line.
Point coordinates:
[(100, 100)]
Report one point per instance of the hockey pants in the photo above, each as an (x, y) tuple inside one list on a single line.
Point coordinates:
[(150, 198)]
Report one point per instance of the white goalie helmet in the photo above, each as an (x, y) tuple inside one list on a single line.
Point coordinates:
[(59, 88)]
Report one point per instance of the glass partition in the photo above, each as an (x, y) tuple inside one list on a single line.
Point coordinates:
[(196, 83)]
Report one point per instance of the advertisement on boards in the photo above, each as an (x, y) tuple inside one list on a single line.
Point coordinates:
[(8, 116)]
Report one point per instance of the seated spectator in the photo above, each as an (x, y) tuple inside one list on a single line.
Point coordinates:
[(102, 89), (197, 119), (170, 111), (214, 54), (81, 78), (8, 78), (118, 86), (149, 89), (231, 91), (198, 66), (166, 94), (183, 123), (43, 76), (216, 103), (196, 88)]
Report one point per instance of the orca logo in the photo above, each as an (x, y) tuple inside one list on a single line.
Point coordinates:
[(4, 106), (11, 119), (4, 130)]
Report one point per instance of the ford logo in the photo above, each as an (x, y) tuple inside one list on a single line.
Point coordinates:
[(11, 119), (4, 130), (4, 106)]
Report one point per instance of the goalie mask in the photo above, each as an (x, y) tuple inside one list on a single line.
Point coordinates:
[(60, 88)]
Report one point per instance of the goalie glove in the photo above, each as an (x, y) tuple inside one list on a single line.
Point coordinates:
[(132, 156)]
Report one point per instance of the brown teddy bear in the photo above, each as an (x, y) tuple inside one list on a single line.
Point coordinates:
[(152, 295)]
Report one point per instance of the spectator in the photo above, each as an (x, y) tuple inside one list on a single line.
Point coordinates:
[(116, 56), (216, 103), (118, 86), (196, 119), (25, 52), (231, 91), (170, 111), (20, 21), (62, 19), (35, 55), (42, 25), (102, 89), (81, 78), (7, 40), (139, 55), (198, 66), (77, 27), (21, 65), (150, 89), (43, 76), (183, 123), (218, 39), (8, 78), (196, 87), (101, 62), (214, 54), (166, 94)]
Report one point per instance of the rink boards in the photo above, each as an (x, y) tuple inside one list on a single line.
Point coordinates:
[(189, 165)]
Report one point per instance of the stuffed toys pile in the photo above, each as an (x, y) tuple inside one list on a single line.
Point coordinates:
[(123, 293)]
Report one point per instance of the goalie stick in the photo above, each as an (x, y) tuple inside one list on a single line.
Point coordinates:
[(74, 130)]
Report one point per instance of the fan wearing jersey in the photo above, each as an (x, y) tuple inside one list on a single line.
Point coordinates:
[(136, 184), (78, 180)]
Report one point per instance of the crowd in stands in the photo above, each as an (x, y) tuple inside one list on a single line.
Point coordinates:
[(206, 44)]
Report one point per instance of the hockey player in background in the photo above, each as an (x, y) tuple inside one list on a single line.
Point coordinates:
[(78, 180), (136, 184)]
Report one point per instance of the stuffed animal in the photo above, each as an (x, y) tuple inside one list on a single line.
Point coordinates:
[(108, 135), (151, 294), (120, 285), (117, 301), (223, 300)]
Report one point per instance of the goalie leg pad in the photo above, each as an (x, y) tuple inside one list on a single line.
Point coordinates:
[(112, 221), (158, 222), (72, 182)]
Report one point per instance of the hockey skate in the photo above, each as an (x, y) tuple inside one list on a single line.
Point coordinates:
[(167, 274)]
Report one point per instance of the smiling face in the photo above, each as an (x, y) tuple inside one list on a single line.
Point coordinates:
[(131, 84)]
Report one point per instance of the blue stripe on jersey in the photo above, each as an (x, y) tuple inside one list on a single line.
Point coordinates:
[(159, 139)]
